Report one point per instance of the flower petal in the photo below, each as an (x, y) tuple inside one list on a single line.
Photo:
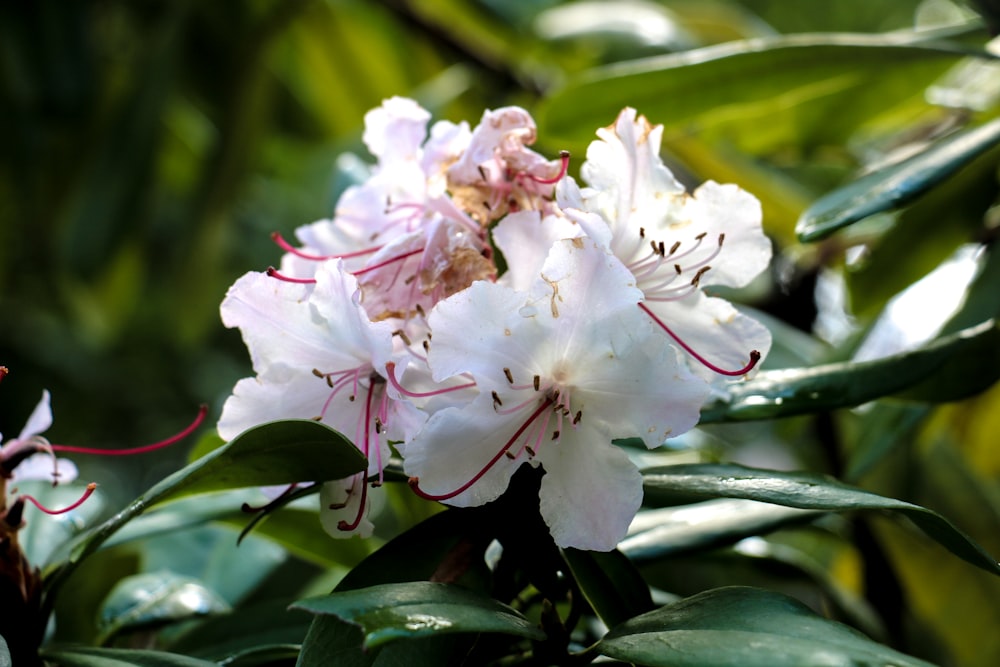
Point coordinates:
[(40, 419)]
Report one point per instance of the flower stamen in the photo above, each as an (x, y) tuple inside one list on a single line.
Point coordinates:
[(390, 369), (71, 449), (274, 273), (754, 354), (86, 494)]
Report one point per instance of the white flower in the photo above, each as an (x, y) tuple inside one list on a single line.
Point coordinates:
[(674, 243), (38, 461), (562, 370), (317, 356)]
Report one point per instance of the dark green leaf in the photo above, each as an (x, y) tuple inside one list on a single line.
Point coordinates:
[(794, 391), (155, 598), (419, 609), (803, 491), (897, 185), (611, 584), (243, 631), (744, 627), (4, 654), (86, 656)]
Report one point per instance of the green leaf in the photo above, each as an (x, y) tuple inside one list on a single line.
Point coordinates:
[(895, 186), (280, 452), (794, 391), (699, 526), (744, 627), (153, 599), (243, 631), (759, 94), (611, 584), (802, 491), (419, 609), (86, 656)]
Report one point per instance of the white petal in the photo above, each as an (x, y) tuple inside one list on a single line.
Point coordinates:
[(40, 419), (590, 492), (339, 492), (40, 466), (456, 445), (395, 130), (525, 238)]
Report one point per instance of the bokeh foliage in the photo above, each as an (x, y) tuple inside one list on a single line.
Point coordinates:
[(151, 147)]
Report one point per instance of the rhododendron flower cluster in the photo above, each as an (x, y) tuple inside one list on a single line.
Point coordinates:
[(393, 322)]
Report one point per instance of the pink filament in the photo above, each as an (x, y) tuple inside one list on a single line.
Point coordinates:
[(390, 369), (287, 247), (754, 354), (86, 494), (274, 273), (70, 449), (415, 481)]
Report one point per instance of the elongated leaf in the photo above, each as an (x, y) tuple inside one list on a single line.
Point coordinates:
[(803, 491), (675, 530), (155, 598), (895, 186), (611, 584), (760, 93), (419, 609), (744, 627), (794, 391), (87, 656), (278, 452)]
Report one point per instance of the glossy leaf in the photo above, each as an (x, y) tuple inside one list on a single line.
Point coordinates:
[(278, 452), (895, 186), (668, 531), (803, 490), (243, 631), (781, 393), (86, 656), (155, 598), (419, 609), (744, 627), (611, 584)]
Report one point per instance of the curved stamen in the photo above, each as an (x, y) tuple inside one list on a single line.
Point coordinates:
[(387, 262), (274, 273), (86, 494), (70, 449), (415, 481), (251, 509), (342, 524), (564, 157), (280, 241), (390, 369), (754, 354)]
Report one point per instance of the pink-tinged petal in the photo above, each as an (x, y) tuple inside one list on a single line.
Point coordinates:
[(254, 402), (40, 419), (501, 131), (395, 130), (525, 238), (716, 330), (456, 445), (445, 145), (591, 491)]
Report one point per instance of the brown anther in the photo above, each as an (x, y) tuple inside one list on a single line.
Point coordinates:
[(351, 398), (420, 310), (317, 418), (555, 435), (701, 236), (674, 247), (317, 373), (375, 483), (509, 455), (722, 237), (663, 249), (378, 425), (642, 232), (678, 269), (496, 400), (697, 277), (402, 336), (427, 346), (337, 506), (537, 382), (652, 244), (577, 417), (410, 279), (487, 206), (531, 452), (507, 374), (482, 172)]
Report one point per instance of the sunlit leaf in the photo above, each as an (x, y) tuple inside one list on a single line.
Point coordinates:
[(802, 490), (419, 609), (895, 186), (156, 598), (744, 627), (935, 367)]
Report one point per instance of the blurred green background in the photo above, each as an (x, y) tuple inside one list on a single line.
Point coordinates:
[(150, 147)]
